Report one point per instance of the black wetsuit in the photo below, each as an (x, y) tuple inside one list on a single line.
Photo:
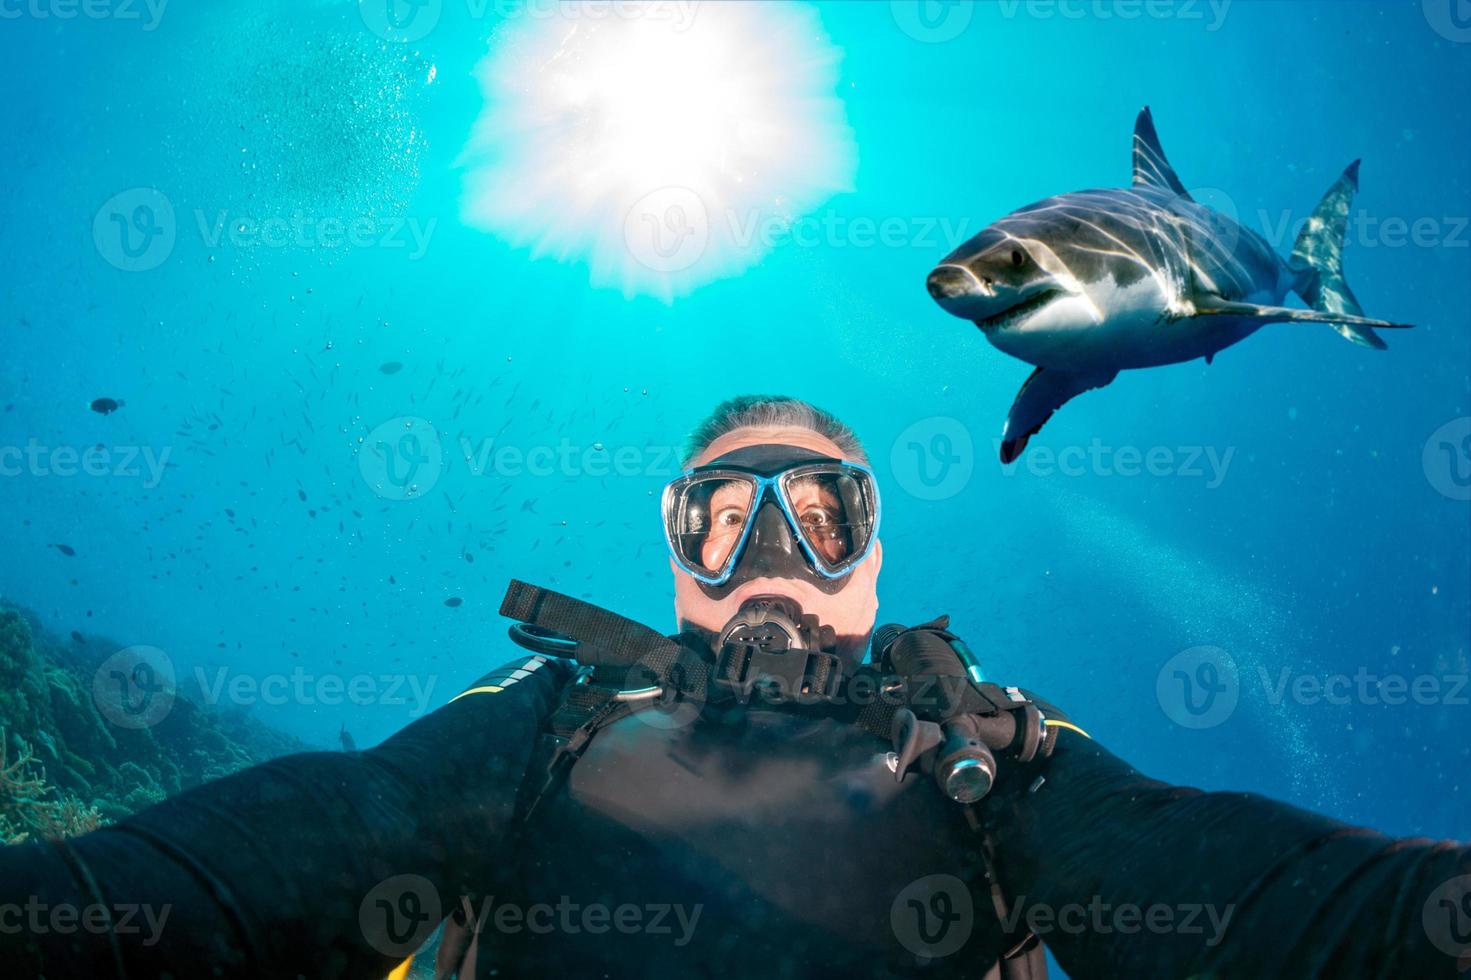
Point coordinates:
[(785, 830)]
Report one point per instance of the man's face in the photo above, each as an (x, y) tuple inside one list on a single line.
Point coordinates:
[(851, 611)]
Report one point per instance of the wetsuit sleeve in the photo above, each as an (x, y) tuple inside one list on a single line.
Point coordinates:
[(280, 870), (1238, 885)]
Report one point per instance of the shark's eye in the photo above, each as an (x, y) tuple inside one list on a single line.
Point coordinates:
[(1017, 258)]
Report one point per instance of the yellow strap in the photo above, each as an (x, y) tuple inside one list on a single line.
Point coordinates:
[(1070, 726), (401, 971), (491, 689)]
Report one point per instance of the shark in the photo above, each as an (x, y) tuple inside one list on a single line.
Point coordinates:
[(1087, 284)]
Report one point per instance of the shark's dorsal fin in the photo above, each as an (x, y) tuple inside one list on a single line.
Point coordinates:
[(1151, 169)]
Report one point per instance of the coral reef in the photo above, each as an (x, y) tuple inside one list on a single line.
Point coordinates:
[(65, 770)]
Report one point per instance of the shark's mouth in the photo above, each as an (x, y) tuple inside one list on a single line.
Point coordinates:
[(1013, 314)]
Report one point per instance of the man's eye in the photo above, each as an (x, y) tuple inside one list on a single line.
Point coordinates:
[(817, 518), (730, 517)]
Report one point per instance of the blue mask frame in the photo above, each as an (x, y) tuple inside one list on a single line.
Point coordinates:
[(769, 485)]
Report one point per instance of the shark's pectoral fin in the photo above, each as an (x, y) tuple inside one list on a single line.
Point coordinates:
[(1044, 392), (1151, 169), (1359, 329)]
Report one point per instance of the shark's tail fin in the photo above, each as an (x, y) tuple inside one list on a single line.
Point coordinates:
[(1317, 260)]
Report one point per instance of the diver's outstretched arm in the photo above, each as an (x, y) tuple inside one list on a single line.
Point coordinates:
[(291, 868), (1122, 875)]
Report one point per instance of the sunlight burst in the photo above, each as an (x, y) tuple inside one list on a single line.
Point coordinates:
[(660, 144)]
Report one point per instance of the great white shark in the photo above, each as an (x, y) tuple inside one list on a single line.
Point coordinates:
[(1088, 284)]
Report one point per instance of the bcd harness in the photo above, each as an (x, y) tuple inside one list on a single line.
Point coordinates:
[(921, 691)]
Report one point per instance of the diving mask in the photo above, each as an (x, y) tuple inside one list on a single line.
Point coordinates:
[(775, 512)]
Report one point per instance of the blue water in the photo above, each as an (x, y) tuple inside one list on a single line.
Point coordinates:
[(1332, 542)]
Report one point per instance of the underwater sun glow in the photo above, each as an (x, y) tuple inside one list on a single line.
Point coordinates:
[(661, 145)]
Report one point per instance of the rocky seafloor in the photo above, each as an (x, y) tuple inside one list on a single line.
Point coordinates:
[(65, 769)]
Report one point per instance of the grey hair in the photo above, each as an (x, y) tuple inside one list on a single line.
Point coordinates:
[(749, 411)]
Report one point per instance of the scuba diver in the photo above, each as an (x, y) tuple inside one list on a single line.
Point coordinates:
[(777, 789)]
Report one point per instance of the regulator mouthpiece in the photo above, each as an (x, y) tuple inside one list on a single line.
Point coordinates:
[(770, 646)]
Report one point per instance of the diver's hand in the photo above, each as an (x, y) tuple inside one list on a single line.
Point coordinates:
[(943, 677), (956, 726)]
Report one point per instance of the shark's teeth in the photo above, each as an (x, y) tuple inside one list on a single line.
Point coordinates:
[(1010, 316)]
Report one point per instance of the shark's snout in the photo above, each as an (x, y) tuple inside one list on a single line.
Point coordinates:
[(958, 290), (951, 281)]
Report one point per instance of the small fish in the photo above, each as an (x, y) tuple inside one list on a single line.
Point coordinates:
[(390, 367), (454, 601), (65, 549), (78, 637), (106, 406)]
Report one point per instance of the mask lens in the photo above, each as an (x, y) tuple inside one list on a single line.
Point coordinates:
[(835, 511), (706, 516)]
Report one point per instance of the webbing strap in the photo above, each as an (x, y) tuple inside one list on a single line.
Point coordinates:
[(604, 639)]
